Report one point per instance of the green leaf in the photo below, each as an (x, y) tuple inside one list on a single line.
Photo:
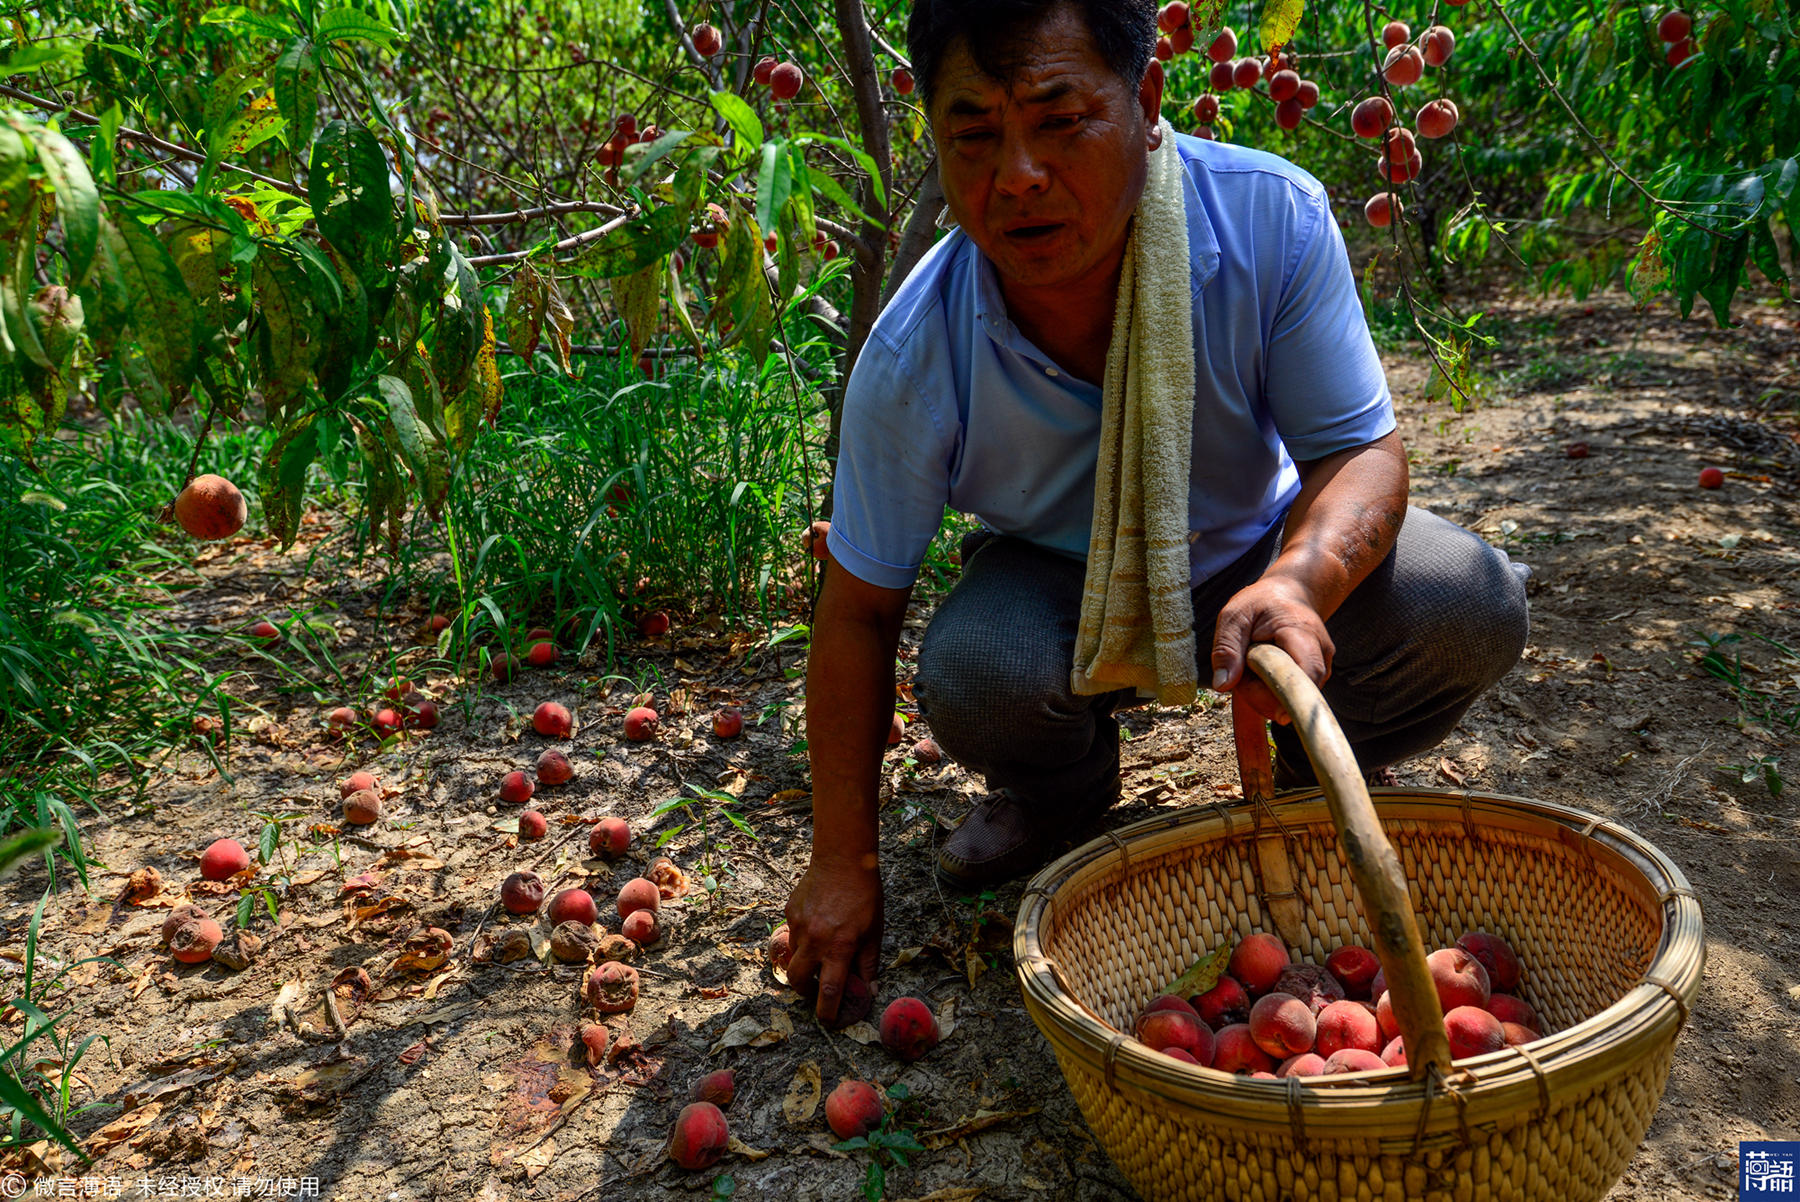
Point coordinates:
[(638, 298), (265, 845), (774, 184), (743, 290), (20, 1099), (246, 907), (16, 849), (741, 117), (292, 324), (351, 201), (862, 160), (202, 254), (18, 192), (282, 481), (419, 443), (1202, 975), (26, 59), (297, 91), (77, 200), (640, 158), (826, 185), (162, 313), (1280, 18), (100, 149), (355, 25), (874, 1183), (458, 327), (633, 246)]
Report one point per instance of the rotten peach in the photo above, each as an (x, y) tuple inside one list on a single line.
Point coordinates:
[(194, 940), (522, 893), (1225, 1003), (1311, 984), (612, 988), (728, 722), (781, 948), (573, 942), (178, 916), (362, 808), (594, 1039), (610, 838)]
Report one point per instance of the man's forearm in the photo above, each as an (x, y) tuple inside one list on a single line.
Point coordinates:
[(1345, 521), (849, 705)]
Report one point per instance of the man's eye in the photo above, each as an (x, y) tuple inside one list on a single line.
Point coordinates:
[(1062, 121), (972, 135)]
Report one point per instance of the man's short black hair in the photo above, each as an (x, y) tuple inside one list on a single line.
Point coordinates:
[(1124, 32)]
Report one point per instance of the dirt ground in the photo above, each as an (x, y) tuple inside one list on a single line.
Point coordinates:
[(459, 1082)]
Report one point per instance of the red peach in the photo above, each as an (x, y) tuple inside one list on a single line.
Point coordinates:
[(1206, 108), (1384, 1016), (421, 714), (211, 507), (1224, 47), (852, 1109), (553, 721), (387, 721), (264, 632), (1395, 33), (1165, 49), (1575, 450), (1282, 1025), (1235, 1052), (1169, 1001), (728, 722), (1497, 958), (1371, 116), (522, 893), (400, 688), (716, 1087), (640, 927), (1440, 43), (532, 825), (908, 1028), (1182, 1055), (1712, 477), (541, 655), (653, 625), (612, 988), (1257, 961), (1355, 967), (781, 947), (1438, 118), (1225, 1003), (573, 905), (1222, 77), (1284, 85), (1259, 1075), (1394, 1054), (538, 634), (896, 728), (638, 894), (362, 808), (640, 724), (1165, 1029), (927, 752), (553, 768), (516, 788), (178, 916), (707, 40), (1473, 1031), (1509, 1009), (1306, 1064), (1404, 66), (343, 718), (1460, 978), (1308, 95), (1516, 1034), (504, 667), (903, 81), (1347, 1025), (764, 68), (594, 1038), (785, 81), (223, 859), (437, 624), (1674, 26), (194, 940), (610, 838), (1246, 72), (1380, 208), (1351, 1060)]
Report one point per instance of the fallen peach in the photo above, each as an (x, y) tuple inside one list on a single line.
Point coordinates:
[(1496, 956), (421, 713), (781, 948), (852, 1109), (362, 808), (522, 893), (896, 728), (552, 720), (573, 905), (1235, 1052), (1306, 1064), (854, 1004), (343, 718), (264, 631), (532, 825), (641, 928), (516, 788), (1460, 978), (1347, 1024), (1282, 1025), (1256, 961), (612, 988), (641, 724), (1351, 1060), (194, 940), (554, 768), (700, 1136), (909, 1029), (178, 916), (671, 882), (541, 655), (387, 721), (356, 782), (211, 507), (638, 894), (573, 942), (728, 722), (504, 667), (1225, 1003), (594, 1039), (1509, 1009), (927, 752), (1355, 968), (610, 838), (223, 859), (653, 625), (716, 1087), (1473, 1031)]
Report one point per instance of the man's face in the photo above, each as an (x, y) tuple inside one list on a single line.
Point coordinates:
[(1044, 170)]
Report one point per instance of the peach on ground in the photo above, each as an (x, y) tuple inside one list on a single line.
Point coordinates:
[(552, 720), (610, 838), (1235, 1052), (223, 859), (852, 1109), (541, 655), (638, 894), (1225, 1003), (532, 825), (700, 1136), (594, 1038), (854, 1004), (554, 768), (1257, 961), (1459, 977), (640, 927), (728, 722), (362, 808), (516, 788), (194, 940), (1473, 1031), (717, 1087), (1282, 1025), (1347, 1024), (612, 988), (522, 893), (573, 905), (178, 916), (640, 724), (909, 1029), (781, 947)]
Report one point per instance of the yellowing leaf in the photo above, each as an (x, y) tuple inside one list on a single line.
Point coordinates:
[(1279, 21), (802, 1100)]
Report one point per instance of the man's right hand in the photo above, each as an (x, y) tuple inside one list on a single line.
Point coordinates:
[(834, 920)]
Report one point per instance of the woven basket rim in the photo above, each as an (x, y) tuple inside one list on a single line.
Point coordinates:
[(1487, 1088)]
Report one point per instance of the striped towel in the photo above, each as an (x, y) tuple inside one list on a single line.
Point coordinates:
[(1137, 613)]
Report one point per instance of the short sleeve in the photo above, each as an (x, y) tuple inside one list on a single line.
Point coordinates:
[(1325, 385), (893, 472)]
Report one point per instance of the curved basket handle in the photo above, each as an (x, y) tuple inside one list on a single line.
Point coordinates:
[(1374, 866)]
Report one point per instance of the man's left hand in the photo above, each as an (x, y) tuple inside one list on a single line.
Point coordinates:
[(1276, 609)]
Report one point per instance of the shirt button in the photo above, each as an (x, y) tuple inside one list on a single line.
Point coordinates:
[(1049, 371)]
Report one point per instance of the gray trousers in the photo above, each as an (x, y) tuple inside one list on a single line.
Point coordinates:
[(1434, 626)]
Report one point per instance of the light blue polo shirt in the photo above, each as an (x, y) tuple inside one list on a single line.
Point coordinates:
[(949, 405)]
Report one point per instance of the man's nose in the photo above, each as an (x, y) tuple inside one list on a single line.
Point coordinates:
[(1020, 169)]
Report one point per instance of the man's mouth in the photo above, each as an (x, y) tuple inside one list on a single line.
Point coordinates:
[(1033, 232)]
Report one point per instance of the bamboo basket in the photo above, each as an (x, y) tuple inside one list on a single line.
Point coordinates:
[(1606, 926)]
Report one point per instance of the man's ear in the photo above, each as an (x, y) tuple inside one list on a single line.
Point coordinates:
[(1150, 94)]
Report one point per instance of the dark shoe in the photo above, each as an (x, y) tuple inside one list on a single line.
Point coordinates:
[(1002, 838)]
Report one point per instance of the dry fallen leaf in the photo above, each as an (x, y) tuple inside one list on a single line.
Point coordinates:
[(802, 1101), (863, 1033), (981, 1120), (745, 1150)]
